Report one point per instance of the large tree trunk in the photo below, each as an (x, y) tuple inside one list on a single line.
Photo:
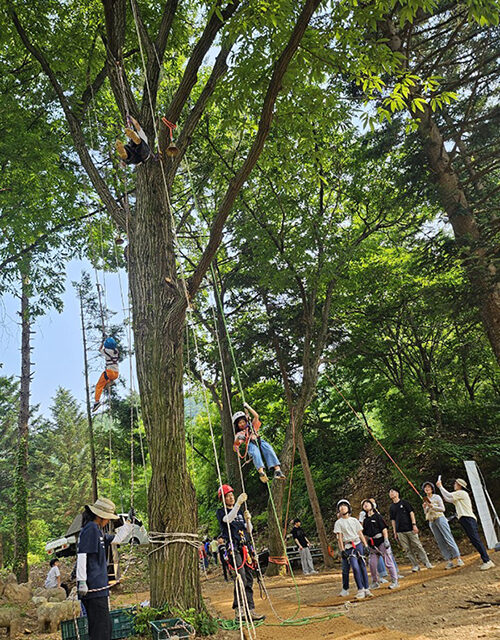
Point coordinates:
[(313, 499), (159, 307), (21, 538), (93, 465)]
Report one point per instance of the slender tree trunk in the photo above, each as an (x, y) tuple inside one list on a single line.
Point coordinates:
[(1, 550), (313, 499), (159, 307), (90, 422), (21, 537)]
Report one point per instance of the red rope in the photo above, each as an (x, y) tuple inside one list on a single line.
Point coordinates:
[(376, 440), (171, 126)]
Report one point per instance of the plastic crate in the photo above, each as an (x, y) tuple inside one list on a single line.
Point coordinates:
[(122, 621), (170, 628), (69, 632)]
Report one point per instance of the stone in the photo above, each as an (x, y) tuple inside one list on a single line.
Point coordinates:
[(51, 614), (17, 593), (10, 619)]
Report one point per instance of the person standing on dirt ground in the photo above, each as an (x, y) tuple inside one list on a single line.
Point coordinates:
[(221, 550), (461, 499), (434, 509), (351, 541), (92, 566), (303, 544), (404, 526), (382, 572), (376, 533), (213, 549)]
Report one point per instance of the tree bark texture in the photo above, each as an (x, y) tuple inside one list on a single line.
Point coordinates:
[(159, 308), (21, 537), (93, 465), (313, 499)]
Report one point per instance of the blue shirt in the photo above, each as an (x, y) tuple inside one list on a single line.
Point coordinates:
[(95, 543)]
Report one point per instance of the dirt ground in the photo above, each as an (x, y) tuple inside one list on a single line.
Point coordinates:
[(435, 604)]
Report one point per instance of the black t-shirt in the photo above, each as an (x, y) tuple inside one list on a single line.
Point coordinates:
[(238, 528), (400, 512), (299, 536), (374, 524), (94, 543)]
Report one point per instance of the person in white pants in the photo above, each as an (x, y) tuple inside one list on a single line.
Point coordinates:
[(304, 548)]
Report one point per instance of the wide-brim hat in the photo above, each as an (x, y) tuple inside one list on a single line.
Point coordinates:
[(461, 482), (104, 508)]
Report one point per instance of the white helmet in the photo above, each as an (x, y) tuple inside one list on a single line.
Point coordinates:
[(238, 415), (346, 502)]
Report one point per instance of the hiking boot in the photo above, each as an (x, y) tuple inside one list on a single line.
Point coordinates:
[(375, 585), (460, 562), (394, 585), (95, 406), (256, 616), (450, 565), (368, 593), (120, 147), (262, 477), (132, 135), (415, 568), (344, 593), (279, 475), (361, 594), (487, 565)]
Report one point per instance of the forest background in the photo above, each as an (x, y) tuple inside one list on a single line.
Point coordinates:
[(359, 260)]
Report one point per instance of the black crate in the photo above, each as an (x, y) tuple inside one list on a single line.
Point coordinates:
[(69, 632), (164, 629), (122, 621)]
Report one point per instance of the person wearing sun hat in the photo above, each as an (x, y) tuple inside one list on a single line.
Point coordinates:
[(463, 505), (92, 565)]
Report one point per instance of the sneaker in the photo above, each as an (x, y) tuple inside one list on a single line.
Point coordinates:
[(313, 571), (279, 475), (96, 406), (383, 580), (375, 585), (361, 594), (487, 565), (262, 477), (120, 147), (450, 565), (429, 566), (368, 593), (400, 576), (132, 135), (460, 562), (256, 616), (344, 593), (394, 585), (415, 568)]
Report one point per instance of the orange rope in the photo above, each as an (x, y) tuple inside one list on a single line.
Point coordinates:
[(376, 440), (283, 560)]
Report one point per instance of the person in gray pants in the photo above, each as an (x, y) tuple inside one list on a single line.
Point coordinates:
[(303, 544)]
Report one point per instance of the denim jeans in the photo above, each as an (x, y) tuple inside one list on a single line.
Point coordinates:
[(444, 538), (357, 563), (267, 451), (470, 526)]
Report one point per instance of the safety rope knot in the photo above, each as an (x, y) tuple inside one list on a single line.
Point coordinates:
[(163, 539)]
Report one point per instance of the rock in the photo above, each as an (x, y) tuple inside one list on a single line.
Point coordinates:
[(40, 591), (51, 614), (57, 594), (11, 579), (10, 619), (38, 600), (17, 593)]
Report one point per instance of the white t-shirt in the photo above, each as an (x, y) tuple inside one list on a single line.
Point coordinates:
[(349, 528), (51, 580)]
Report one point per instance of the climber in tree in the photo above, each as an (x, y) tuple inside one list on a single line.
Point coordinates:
[(137, 150), (247, 432), (110, 373)]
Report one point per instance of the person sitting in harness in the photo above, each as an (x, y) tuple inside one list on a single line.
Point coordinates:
[(247, 433), (137, 150), (110, 373), (236, 525)]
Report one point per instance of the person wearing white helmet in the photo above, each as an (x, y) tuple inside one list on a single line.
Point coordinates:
[(351, 541), (461, 499), (247, 433)]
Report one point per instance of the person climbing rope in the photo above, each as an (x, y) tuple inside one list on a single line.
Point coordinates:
[(461, 499), (137, 150), (92, 567), (351, 539), (377, 535), (434, 510), (110, 373), (247, 433), (236, 525)]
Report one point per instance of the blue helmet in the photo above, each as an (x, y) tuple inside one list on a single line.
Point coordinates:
[(110, 343)]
